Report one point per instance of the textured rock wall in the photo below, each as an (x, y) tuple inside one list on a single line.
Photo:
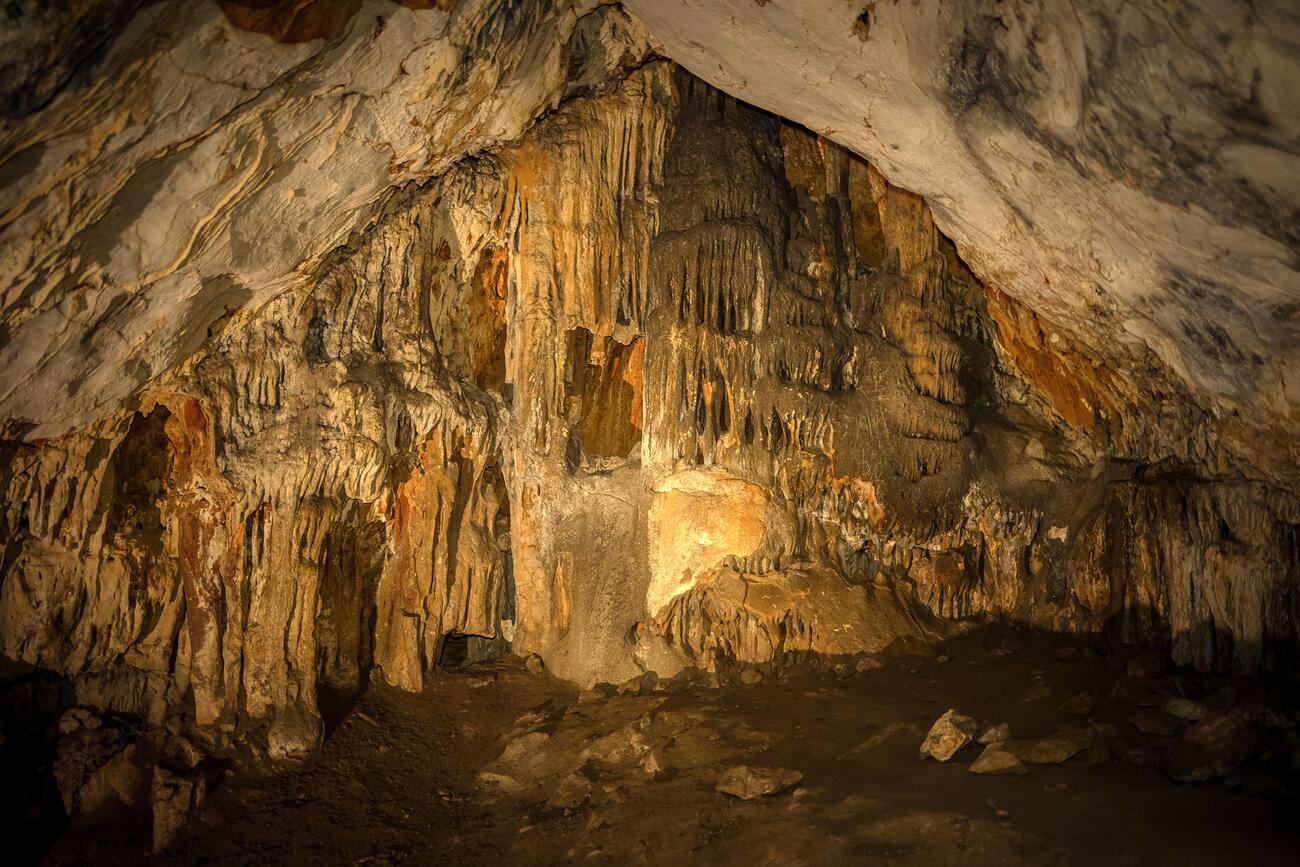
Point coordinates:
[(197, 167), (1123, 167), (665, 379)]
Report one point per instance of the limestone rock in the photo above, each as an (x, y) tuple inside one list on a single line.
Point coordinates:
[(396, 341), (746, 783), (574, 791), (1215, 746), (867, 664), (996, 760), (1185, 709), (950, 733), (96, 768), (1033, 109), (1055, 748), (294, 734), (199, 227), (174, 798), (998, 734)]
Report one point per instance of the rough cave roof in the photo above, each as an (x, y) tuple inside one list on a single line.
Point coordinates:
[(1127, 169)]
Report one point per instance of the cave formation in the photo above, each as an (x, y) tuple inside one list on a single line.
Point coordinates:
[(536, 431)]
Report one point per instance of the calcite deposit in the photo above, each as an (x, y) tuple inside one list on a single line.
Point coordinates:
[(342, 336)]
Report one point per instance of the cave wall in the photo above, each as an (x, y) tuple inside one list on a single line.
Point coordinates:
[(1126, 167), (665, 379)]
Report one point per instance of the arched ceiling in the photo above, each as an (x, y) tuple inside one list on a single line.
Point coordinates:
[(1129, 170)]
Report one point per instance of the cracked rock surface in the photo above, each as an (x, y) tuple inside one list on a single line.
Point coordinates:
[(345, 341)]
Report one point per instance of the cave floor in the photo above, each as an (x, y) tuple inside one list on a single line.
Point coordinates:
[(402, 779)]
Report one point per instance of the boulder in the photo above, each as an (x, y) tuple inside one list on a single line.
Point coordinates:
[(573, 791), (1155, 723), (997, 760), (950, 733), (294, 733), (747, 782), (998, 734), (1055, 748), (865, 664), (1215, 746), (1185, 709), (174, 797)]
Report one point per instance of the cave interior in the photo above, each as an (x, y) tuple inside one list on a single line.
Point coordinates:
[(546, 431)]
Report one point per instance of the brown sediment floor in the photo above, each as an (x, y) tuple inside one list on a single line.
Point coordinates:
[(630, 778)]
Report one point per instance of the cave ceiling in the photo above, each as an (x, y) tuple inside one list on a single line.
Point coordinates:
[(1127, 170)]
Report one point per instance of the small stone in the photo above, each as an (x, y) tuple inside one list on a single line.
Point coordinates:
[(534, 664), (572, 793), (866, 664), (1055, 748), (747, 782), (1079, 705), (1151, 664), (1067, 654), (950, 733), (642, 684), (998, 734), (623, 746), (751, 676), (524, 746), (1185, 708), (76, 718), (652, 764), (996, 760), (1155, 723), (183, 753)]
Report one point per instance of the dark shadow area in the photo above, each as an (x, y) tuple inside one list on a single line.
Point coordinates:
[(454, 652), (32, 815)]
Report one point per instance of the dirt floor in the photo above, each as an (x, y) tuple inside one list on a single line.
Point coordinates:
[(496, 765)]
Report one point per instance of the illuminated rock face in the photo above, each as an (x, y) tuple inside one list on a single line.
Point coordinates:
[(651, 379), (1127, 168)]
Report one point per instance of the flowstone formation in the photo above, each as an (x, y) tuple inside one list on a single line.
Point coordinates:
[(485, 328)]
